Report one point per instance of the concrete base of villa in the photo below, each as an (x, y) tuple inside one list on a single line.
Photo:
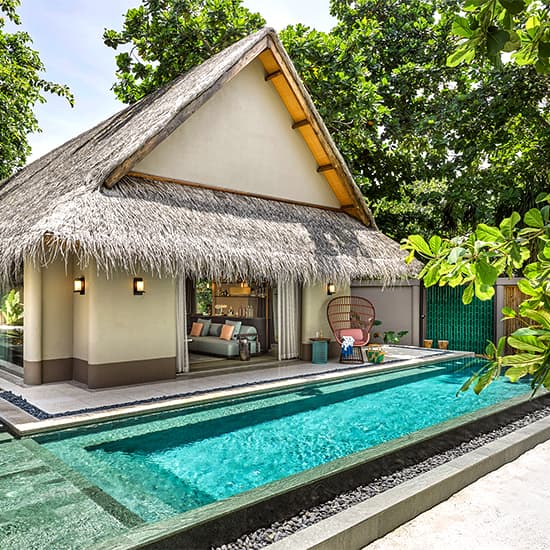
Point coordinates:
[(99, 376)]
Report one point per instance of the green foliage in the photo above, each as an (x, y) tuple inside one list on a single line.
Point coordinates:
[(474, 261), (203, 293), (491, 28), (164, 38), (12, 308), (20, 89), (430, 146), (392, 337)]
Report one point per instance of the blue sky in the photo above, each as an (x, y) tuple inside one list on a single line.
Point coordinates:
[(67, 34)]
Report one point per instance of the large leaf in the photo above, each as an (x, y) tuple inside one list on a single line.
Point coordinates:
[(435, 243), (513, 6), (533, 218), (526, 343), (525, 286), (483, 291), (456, 253), (420, 245), (485, 272), (496, 41), (527, 359), (468, 294), (515, 373), (463, 54), (507, 224), (488, 233), (539, 316), (461, 27)]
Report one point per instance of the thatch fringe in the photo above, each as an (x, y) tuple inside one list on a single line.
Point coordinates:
[(169, 229)]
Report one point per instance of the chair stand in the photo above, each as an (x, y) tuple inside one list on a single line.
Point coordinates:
[(358, 356)]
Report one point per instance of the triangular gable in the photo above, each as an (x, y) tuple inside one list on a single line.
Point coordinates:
[(280, 72)]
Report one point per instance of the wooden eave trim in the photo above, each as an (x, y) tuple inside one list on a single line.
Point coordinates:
[(191, 107), (152, 177), (326, 142)]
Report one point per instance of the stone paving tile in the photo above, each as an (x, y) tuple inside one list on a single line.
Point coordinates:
[(41, 509)]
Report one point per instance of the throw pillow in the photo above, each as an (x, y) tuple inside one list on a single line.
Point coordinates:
[(215, 329), (205, 326), (237, 325), (196, 329), (227, 332)]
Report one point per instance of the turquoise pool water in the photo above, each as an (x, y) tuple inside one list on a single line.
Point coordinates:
[(163, 464)]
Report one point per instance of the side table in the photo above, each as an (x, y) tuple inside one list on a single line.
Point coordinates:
[(319, 350)]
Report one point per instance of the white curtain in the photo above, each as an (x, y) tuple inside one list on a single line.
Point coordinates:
[(288, 310), (182, 353)]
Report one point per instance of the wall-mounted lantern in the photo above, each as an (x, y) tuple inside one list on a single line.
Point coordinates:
[(139, 286), (331, 289), (79, 286)]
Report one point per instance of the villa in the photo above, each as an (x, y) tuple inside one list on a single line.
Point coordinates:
[(224, 183)]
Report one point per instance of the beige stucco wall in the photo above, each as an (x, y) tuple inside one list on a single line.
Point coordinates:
[(314, 309), (32, 298), (242, 139), (124, 327), (57, 311), (80, 317), (398, 307)]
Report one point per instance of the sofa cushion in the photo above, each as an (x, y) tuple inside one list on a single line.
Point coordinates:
[(206, 326), (237, 325), (215, 329), (196, 329), (227, 332)]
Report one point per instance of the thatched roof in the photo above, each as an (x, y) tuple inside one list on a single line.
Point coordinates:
[(62, 203)]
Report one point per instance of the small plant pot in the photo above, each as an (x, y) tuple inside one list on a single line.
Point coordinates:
[(428, 343), (375, 354), (443, 344)]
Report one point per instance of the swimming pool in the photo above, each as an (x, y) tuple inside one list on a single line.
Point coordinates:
[(164, 464)]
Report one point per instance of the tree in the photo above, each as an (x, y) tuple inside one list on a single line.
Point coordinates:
[(489, 28), (20, 89), (475, 261), (431, 146), (169, 37)]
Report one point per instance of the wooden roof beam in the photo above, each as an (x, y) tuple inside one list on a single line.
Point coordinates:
[(273, 75), (301, 124), (325, 168)]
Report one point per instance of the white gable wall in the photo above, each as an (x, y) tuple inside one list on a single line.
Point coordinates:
[(241, 139)]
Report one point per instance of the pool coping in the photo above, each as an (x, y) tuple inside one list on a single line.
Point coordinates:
[(34, 427), (371, 519), (182, 524)]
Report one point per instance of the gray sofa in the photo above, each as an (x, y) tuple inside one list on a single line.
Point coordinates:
[(212, 344)]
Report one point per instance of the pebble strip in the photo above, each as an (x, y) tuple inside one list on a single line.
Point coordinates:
[(276, 531)]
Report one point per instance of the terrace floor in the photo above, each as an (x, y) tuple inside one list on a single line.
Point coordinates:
[(94, 404)]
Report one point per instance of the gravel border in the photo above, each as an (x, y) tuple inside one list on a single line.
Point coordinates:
[(279, 530)]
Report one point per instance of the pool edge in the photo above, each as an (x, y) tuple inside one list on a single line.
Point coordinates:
[(363, 523)]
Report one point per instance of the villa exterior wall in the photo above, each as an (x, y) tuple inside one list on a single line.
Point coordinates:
[(314, 316), (397, 306), (242, 139)]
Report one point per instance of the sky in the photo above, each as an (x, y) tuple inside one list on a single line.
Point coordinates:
[(68, 37)]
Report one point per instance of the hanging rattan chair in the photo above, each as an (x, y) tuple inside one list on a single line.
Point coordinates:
[(351, 316)]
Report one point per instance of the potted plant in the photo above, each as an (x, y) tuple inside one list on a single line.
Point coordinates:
[(392, 337)]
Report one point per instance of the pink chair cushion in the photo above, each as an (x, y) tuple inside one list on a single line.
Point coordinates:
[(355, 333)]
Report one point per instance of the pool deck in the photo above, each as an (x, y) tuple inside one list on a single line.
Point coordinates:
[(89, 406), (47, 505)]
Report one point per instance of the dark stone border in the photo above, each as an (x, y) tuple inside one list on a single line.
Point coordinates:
[(20, 402), (391, 471)]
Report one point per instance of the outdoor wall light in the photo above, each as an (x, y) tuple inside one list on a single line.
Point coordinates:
[(79, 285), (139, 286), (331, 289)]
